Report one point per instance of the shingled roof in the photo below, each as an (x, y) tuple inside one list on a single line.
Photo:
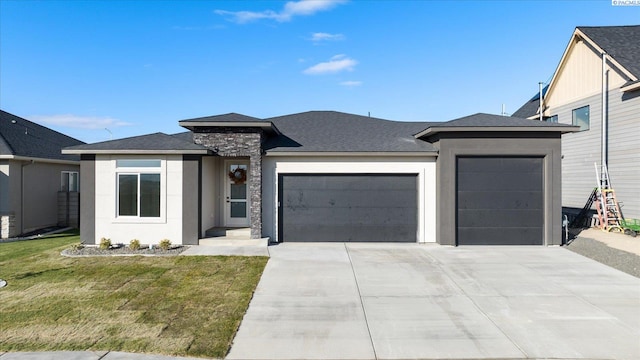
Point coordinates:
[(621, 43), (157, 143), (332, 131), (494, 123), (22, 138)]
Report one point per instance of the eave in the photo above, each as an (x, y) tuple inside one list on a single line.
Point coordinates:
[(440, 129), (37, 159), (267, 127), (354, 153), (136, 152)]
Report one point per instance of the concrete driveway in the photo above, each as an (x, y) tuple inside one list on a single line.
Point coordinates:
[(410, 301)]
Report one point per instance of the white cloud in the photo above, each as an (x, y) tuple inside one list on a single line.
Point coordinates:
[(290, 10), (319, 36), (336, 64), (80, 122), (351, 83)]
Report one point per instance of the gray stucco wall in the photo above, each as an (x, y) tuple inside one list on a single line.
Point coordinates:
[(88, 199), (452, 145), (240, 142), (191, 170)]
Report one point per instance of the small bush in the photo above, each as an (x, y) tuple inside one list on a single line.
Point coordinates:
[(105, 243), (134, 244), (77, 246), (164, 244)]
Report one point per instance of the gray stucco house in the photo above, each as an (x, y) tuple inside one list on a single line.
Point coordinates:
[(38, 184), (329, 176)]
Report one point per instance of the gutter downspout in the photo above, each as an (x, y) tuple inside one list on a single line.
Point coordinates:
[(22, 166), (604, 111), (540, 90)]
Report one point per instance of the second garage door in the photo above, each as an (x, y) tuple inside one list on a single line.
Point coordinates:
[(499, 201), (348, 208)]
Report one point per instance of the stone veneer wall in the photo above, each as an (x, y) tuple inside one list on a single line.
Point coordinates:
[(240, 142), (7, 226)]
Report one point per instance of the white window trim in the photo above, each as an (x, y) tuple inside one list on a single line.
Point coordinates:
[(162, 170)]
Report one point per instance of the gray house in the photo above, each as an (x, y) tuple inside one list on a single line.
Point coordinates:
[(37, 182), (329, 176), (596, 86)]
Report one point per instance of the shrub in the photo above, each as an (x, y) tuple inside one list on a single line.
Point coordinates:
[(134, 244), (77, 246), (105, 243), (164, 244)]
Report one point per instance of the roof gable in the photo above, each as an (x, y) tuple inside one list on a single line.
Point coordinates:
[(23, 138), (579, 72)]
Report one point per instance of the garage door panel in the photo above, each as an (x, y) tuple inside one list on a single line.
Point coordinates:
[(351, 182), (500, 236), (500, 199), (343, 208), (499, 218), (350, 233), (340, 216), (350, 198), (503, 181)]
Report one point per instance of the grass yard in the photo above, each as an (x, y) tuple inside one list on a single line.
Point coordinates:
[(180, 305)]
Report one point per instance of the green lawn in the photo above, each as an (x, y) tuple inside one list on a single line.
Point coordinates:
[(181, 305)]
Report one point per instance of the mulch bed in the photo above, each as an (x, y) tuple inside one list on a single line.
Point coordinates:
[(124, 251)]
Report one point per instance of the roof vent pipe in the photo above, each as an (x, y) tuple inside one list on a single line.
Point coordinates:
[(540, 91)]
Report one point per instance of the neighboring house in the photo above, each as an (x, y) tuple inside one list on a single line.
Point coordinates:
[(600, 68), (37, 181), (329, 176)]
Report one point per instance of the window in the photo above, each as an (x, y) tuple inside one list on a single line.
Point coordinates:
[(552, 119), (69, 181), (139, 188), (581, 117)]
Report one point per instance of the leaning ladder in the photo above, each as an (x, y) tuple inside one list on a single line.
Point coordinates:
[(609, 214)]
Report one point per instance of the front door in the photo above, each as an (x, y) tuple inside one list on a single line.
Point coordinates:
[(236, 193)]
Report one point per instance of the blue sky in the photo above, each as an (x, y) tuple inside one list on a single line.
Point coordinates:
[(137, 67)]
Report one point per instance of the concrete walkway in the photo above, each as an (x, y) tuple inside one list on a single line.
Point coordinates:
[(384, 301)]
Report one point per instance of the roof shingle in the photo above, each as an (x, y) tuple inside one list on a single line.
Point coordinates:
[(21, 137)]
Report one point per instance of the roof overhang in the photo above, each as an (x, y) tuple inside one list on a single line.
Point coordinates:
[(631, 87), (354, 153), (136, 152), (266, 126), (36, 159), (440, 129)]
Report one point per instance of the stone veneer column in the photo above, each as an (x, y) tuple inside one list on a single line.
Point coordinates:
[(240, 142), (7, 226)]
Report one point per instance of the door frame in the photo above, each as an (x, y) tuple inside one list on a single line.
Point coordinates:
[(227, 220)]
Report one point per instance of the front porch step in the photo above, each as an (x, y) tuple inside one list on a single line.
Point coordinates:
[(228, 232), (233, 241)]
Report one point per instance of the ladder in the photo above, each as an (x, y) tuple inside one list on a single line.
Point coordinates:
[(609, 214)]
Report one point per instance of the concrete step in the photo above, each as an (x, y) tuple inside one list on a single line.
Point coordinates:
[(244, 233), (233, 241)]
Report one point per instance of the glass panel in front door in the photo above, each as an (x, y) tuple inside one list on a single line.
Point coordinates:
[(237, 191)]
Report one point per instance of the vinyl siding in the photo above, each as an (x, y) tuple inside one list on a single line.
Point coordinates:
[(582, 149), (581, 76)]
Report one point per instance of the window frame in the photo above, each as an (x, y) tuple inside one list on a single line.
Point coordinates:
[(552, 119), (574, 117), (67, 174), (138, 171)]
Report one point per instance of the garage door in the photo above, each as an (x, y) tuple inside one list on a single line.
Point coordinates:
[(348, 208), (499, 201)]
